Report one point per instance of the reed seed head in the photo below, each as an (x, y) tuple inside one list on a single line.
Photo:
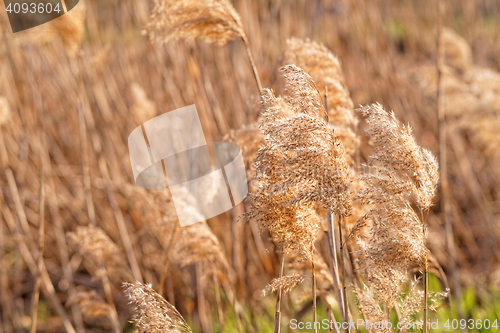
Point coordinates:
[(325, 69), (371, 310), (91, 304), (302, 94), (152, 313), (212, 20), (285, 284), (93, 243), (400, 173), (300, 163), (197, 243), (414, 301), (403, 168)]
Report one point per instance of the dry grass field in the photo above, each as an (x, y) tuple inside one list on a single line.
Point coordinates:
[(353, 213)]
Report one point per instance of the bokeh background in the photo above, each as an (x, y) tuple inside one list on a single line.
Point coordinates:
[(72, 90)]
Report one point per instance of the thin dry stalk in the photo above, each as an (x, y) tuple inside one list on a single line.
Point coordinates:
[(252, 64), (313, 275), (19, 207), (426, 288), (41, 247), (5, 295), (167, 260), (343, 274), (331, 243), (445, 195), (332, 255), (109, 298), (442, 150), (277, 315), (120, 221), (205, 321), (220, 310), (85, 161)]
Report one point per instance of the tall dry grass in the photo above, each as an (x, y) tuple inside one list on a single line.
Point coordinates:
[(70, 95)]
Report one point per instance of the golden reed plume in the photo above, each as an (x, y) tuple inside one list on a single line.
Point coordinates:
[(400, 174), (152, 313)]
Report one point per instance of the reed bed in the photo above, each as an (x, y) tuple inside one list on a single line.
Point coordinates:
[(343, 218)]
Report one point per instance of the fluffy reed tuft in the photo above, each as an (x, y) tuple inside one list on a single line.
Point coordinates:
[(292, 227), (285, 284), (309, 155), (413, 302), (302, 94), (300, 163), (371, 310), (212, 20), (93, 243), (91, 304), (401, 173), (152, 313), (197, 243), (249, 139), (326, 71)]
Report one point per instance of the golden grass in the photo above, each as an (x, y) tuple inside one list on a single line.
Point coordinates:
[(69, 100)]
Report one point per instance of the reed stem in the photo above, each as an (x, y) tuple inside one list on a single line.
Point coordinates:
[(277, 316), (342, 270), (220, 310), (445, 192), (252, 64), (113, 314), (313, 291), (41, 247), (334, 266), (167, 260), (426, 283)]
